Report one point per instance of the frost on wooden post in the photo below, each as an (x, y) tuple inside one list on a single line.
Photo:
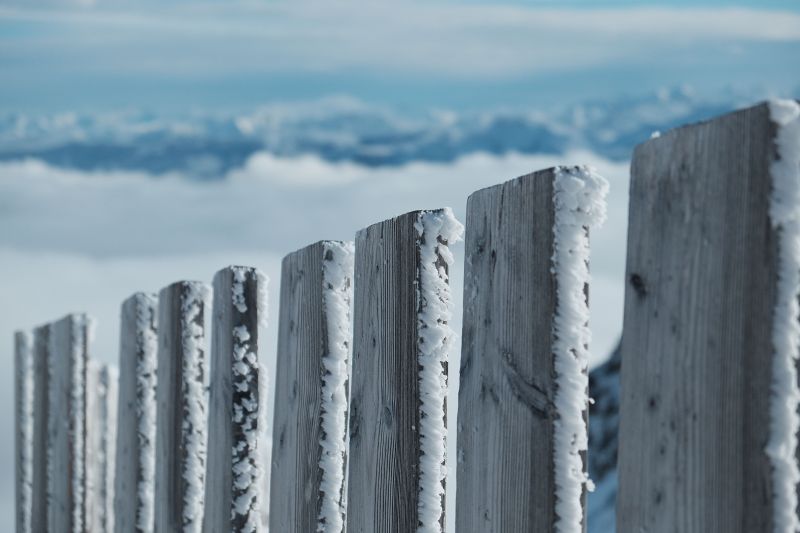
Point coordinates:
[(24, 370), (435, 230), (579, 198), (249, 408), (785, 217), (68, 370), (109, 379), (337, 293), (146, 306), (101, 397), (194, 300)]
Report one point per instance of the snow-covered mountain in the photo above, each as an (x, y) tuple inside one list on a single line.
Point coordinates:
[(207, 145)]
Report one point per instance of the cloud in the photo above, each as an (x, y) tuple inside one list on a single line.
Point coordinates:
[(456, 39)]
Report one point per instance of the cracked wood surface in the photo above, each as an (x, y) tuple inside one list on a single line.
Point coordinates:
[(505, 416)]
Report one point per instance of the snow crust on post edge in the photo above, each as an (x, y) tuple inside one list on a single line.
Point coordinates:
[(146, 367), (109, 377), (194, 300), (25, 417), (337, 293), (579, 198), (435, 230), (249, 408), (785, 217)]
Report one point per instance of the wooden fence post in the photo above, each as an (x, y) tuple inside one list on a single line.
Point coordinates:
[(523, 399), (66, 463), (399, 378), (309, 454), (41, 406), (101, 430), (711, 334), (182, 399), (134, 482), (235, 485), (23, 431)]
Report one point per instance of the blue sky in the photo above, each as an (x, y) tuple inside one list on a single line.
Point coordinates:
[(178, 56)]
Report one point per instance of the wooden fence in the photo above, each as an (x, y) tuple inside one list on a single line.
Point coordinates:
[(708, 439)]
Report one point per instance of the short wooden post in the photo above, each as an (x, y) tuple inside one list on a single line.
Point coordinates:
[(711, 335), (401, 342), (66, 465), (523, 396), (101, 430), (134, 480), (309, 454), (182, 408), (235, 485), (23, 432), (41, 407)]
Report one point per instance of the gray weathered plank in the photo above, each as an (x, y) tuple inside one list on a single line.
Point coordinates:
[(134, 478), (101, 413), (23, 430), (41, 407), (697, 350), (235, 486), (297, 497), (507, 376), (384, 473), (66, 468), (181, 399)]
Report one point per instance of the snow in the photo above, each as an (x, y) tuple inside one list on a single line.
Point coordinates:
[(579, 198), (110, 378), (435, 230), (785, 217), (194, 303), (249, 407), (337, 294), (25, 420), (147, 357), (82, 332)]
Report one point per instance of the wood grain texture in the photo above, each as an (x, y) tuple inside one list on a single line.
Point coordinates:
[(384, 454), (41, 407), (302, 341), (228, 437), (173, 403), (507, 379), (23, 428), (697, 350), (67, 438), (135, 448)]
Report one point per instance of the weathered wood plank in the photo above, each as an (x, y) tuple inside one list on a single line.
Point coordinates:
[(507, 377), (235, 486), (66, 465), (697, 350), (134, 480), (181, 400), (101, 412), (392, 485), (41, 407), (309, 429), (23, 428), (523, 396)]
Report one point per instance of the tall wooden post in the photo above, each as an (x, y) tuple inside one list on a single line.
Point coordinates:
[(134, 479), (235, 485), (101, 430), (399, 377), (181, 399), (41, 407), (23, 430), (66, 464), (711, 286), (523, 397), (309, 454)]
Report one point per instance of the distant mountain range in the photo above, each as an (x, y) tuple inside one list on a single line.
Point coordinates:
[(207, 146)]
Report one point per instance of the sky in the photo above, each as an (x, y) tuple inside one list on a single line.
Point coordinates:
[(79, 240)]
